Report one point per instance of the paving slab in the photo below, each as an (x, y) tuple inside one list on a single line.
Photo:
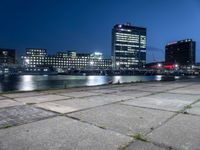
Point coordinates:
[(128, 87), (71, 105), (195, 86), (187, 90), (156, 88), (8, 103), (41, 98), (132, 94), (22, 94), (79, 94), (174, 97), (195, 109), (181, 132), (60, 133), (69, 90), (2, 97), (53, 91), (139, 145), (173, 84), (124, 119), (169, 84), (56, 107), (104, 91), (158, 103), (17, 115)]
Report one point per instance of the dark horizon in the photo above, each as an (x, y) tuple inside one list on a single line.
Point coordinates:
[(85, 26)]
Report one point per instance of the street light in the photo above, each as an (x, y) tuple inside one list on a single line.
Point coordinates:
[(159, 65), (176, 66)]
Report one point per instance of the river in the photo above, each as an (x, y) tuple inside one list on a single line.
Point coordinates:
[(41, 82)]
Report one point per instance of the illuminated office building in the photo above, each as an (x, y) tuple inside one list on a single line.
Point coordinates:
[(63, 60), (34, 57), (128, 46), (181, 52)]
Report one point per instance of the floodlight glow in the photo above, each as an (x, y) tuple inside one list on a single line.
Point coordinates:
[(97, 53), (159, 65), (176, 65)]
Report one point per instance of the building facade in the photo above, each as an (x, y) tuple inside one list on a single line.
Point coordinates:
[(7, 56), (128, 47), (181, 52), (37, 58)]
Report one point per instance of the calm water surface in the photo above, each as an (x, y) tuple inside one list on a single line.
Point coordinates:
[(39, 82)]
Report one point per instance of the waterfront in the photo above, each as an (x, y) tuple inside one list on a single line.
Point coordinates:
[(41, 82), (148, 116)]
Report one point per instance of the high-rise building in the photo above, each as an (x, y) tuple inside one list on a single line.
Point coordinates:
[(128, 46), (7, 56), (181, 52)]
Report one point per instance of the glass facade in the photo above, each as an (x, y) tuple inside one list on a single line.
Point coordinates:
[(128, 47)]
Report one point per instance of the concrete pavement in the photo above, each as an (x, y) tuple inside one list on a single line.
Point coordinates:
[(136, 116)]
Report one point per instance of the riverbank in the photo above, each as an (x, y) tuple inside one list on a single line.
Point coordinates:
[(46, 82), (150, 115)]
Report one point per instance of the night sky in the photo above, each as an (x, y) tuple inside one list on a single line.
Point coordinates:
[(85, 25)]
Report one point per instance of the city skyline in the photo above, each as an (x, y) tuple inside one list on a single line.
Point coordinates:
[(86, 26)]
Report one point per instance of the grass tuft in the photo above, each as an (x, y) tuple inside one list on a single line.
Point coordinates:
[(7, 126), (140, 136), (188, 107)]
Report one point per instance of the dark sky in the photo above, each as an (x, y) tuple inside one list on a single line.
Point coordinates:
[(85, 25)]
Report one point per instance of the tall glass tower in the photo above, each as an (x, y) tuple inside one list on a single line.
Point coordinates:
[(128, 46)]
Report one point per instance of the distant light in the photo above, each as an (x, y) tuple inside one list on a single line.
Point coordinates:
[(97, 53), (91, 63), (172, 43), (159, 65), (168, 66), (120, 26), (117, 63), (176, 65)]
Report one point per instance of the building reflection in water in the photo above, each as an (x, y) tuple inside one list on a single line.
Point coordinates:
[(96, 80), (158, 78), (27, 83), (39, 82)]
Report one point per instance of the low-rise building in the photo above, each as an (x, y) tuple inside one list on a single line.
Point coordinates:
[(7, 56), (64, 60)]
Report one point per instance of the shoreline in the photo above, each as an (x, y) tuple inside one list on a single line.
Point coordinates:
[(96, 86), (125, 115)]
